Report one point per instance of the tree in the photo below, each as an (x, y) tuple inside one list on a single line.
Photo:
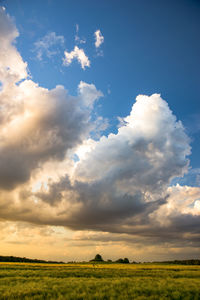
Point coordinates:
[(122, 261), (97, 258)]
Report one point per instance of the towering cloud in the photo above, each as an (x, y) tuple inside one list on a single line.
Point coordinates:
[(121, 179)]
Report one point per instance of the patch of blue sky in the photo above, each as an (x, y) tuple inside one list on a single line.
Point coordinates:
[(192, 178)]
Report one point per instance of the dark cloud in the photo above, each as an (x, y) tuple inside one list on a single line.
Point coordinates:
[(50, 123)]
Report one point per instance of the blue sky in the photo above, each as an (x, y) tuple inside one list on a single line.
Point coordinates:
[(58, 158), (149, 47)]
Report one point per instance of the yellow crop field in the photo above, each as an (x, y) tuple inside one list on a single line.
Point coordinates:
[(98, 281)]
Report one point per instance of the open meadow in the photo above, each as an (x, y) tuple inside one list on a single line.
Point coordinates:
[(98, 281)]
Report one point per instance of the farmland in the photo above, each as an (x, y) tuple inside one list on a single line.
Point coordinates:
[(98, 281)]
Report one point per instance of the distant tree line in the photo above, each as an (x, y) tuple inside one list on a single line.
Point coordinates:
[(28, 260), (184, 262), (98, 258)]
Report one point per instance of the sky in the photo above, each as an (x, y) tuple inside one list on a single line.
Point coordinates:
[(100, 129)]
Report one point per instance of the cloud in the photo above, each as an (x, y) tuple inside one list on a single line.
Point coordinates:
[(36, 124), (48, 45), (151, 144), (99, 39), (119, 181), (12, 67), (40, 125), (77, 38), (88, 93), (182, 202), (78, 54), (118, 184), (65, 245)]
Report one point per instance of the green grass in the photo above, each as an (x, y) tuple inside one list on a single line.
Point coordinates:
[(103, 281)]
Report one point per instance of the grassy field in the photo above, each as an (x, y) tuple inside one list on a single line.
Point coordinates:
[(103, 281)]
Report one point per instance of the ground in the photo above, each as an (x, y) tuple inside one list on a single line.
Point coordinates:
[(98, 281)]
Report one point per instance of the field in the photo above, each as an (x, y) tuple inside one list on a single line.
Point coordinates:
[(102, 281)]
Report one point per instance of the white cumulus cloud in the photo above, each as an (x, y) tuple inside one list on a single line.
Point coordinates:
[(12, 67), (78, 54), (88, 93), (99, 39)]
